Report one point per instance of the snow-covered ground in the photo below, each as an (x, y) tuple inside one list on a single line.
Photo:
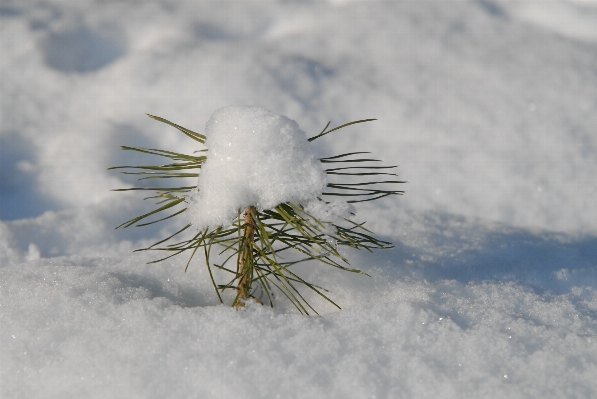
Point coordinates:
[(489, 108)]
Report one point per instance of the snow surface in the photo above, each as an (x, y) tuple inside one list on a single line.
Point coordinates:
[(255, 158), (487, 106)]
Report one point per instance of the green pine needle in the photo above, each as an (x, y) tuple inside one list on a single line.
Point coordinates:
[(256, 260)]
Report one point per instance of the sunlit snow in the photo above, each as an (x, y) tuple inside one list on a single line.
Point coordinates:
[(487, 106), (257, 158)]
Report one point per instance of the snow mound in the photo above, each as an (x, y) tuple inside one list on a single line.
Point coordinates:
[(255, 157)]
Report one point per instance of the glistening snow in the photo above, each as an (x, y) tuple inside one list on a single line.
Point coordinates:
[(488, 108), (255, 157)]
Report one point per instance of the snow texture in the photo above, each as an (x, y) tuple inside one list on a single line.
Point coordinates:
[(257, 158), (488, 107), (334, 211)]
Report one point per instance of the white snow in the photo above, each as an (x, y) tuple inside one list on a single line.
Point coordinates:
[(487, 106), (562, 16), (334, 211), (255, 158)]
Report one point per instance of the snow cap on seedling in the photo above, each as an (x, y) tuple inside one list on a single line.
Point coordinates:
[(255, 157)]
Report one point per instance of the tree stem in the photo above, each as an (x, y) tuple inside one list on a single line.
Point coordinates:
[(246, 259)]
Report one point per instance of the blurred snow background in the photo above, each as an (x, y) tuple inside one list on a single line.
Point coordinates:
[(489, 108)]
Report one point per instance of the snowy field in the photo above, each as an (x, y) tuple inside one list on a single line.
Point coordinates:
[(489, 108)]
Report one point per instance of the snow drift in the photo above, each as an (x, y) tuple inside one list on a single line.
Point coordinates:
[(488, 107)]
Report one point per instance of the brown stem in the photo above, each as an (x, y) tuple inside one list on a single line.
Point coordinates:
[(246, 259)]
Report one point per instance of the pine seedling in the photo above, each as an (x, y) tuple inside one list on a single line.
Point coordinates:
[(259, 244)]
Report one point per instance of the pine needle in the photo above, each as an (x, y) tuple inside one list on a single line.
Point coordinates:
[(287, 228)]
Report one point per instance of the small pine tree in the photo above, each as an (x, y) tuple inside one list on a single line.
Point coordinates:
[(254, 243)]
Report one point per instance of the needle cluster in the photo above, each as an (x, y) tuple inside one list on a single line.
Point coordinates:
[(259, 247)]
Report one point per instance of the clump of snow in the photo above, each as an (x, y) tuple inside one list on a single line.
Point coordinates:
[(255, 157), (334, 211)]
